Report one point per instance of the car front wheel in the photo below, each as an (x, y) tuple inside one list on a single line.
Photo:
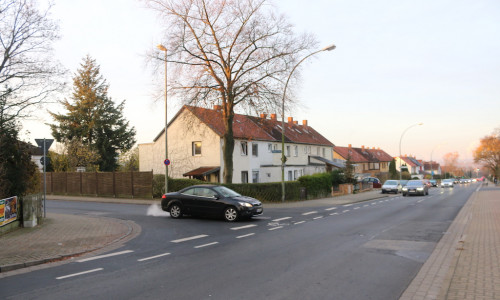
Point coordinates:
[(231, 214), (175, 211)]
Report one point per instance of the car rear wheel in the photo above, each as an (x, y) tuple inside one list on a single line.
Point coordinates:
[(231, 214), (175, 211)]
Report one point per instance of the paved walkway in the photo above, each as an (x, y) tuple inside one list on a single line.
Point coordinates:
[(464, 265)]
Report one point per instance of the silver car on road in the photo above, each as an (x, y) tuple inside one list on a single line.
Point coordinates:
[(391, 186)]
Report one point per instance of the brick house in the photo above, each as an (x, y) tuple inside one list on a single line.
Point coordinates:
[(369, 162)]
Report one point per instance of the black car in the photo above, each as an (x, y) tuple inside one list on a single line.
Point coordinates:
[(414, 187), (210, 200)]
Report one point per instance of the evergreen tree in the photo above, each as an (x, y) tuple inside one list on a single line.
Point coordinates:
[(393, 172), (94, 118)]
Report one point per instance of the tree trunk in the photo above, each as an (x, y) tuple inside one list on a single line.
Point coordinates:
[(228, 148)]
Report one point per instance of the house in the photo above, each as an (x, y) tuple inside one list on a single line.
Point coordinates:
[(195, 140), (431, 168), (369, 162), (411, 163)]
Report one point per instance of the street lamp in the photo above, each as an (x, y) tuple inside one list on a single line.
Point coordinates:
[(283, 159), (400, 146), (162, 48)]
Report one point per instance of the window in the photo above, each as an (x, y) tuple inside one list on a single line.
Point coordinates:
[(255, 176), (204, 192), (269, 147), (275, 147), (324, 152), (244, 176), (289, 175), (295, 150), (196, 148), (244, 148), (295, 173), (255, 149), (317, 151), (288, 151)]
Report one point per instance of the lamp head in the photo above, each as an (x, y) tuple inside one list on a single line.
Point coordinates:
[(161, 47), (329, 48)]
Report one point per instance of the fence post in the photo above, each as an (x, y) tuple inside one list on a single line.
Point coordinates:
[(96, 184), (132, 178)]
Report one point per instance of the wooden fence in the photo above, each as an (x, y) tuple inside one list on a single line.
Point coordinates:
[(103, 184)]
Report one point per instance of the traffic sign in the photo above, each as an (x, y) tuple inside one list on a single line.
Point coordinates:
[(167, 162), (48, 143)]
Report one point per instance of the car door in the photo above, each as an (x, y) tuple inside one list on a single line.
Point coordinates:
[(206, 202)]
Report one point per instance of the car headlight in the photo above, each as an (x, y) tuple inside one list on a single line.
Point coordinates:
[(245, 204), (405, 189), (420, 188)]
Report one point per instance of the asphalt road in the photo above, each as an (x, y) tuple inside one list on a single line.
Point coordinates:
[(367, 250)]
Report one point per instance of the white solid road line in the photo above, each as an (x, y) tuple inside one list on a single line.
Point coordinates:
[(244, 236), (104, 256), (189, 238), (81, 273), (309, 213), (205, 245), (153, 257), (243, 227), (281, 219)]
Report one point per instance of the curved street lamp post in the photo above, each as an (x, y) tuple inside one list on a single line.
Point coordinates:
[(283, 158), (164, 49), (400, 158)]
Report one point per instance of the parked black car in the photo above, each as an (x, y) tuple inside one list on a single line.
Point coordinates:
[(210, 200)]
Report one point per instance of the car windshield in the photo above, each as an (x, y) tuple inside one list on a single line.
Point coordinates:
[(226, 192), (391, 182), (448, 180), (414, 183)]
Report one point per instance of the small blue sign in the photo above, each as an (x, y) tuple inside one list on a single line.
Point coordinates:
[(167, 162)]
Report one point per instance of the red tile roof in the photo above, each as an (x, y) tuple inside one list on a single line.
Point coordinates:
[(363, 155), (255, 128)]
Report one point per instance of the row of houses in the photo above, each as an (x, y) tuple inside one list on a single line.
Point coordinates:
[(195, 143)]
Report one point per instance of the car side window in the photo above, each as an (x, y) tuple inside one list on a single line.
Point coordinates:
[(204, 192), (189, 192)]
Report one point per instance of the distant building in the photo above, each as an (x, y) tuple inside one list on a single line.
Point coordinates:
[(367, 162)]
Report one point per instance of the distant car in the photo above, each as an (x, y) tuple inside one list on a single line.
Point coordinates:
[(416, 187), (433, 182), (391, 186), (210, 200), (375, 181), (463, 181), (447, 183)]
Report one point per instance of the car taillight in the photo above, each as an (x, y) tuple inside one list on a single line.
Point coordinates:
[(164, 197)]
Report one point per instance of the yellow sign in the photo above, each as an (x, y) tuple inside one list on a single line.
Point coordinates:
[(8, 210)]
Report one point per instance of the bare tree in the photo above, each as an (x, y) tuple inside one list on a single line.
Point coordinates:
[(230, 53), (28, 74)]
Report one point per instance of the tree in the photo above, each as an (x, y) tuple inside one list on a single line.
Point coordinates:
[(350, 176), (231, 53), (129, 161), (18, 174), (393, 172), (28, 73), (488, 153), (93, 118), (451, 162)]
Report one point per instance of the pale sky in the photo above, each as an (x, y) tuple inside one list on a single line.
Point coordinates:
[(397, 63)]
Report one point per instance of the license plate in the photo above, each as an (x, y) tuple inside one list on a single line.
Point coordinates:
[(259, 210)]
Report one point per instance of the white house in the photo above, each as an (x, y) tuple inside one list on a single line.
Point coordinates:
[(195, 140), (411, 163)]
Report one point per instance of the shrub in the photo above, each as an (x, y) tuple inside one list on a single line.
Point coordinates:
[(317, 185), (269, 191), (174, 185)]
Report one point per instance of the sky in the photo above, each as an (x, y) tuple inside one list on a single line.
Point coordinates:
[(397, 63)]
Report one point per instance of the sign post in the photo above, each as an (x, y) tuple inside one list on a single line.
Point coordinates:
[(45, 145)]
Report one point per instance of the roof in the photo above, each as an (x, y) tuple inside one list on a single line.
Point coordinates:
[(363, 155), (339, 165), (202, 171), (428, 165), (256, 128), (411, 161)]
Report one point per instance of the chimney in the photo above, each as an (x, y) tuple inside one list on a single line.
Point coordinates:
[(373, 148), (217, 107), (378, 148), (363, 147), (273, 117), (304, 122), (290, 120), (295, 122), (350, 146), (263, 116)]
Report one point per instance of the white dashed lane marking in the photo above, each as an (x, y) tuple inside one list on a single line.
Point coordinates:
[(243, 227), (206, 245), (153, 257), (104, 256), (78, 274), (274, 228), (244, 236), (331, 208), (281, 219), (309, 213), (189, 238)]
